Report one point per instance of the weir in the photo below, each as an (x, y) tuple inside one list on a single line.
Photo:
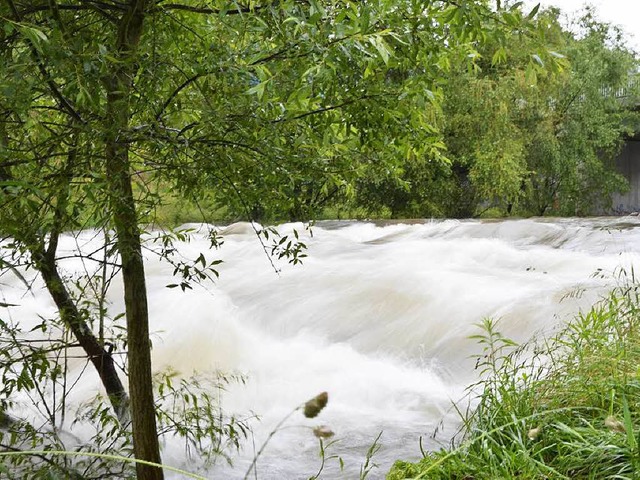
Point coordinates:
[(380, 317)]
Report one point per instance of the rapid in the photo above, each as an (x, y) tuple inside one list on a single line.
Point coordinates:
[(379, 315)]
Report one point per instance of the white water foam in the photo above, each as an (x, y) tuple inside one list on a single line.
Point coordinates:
[(379, 316)]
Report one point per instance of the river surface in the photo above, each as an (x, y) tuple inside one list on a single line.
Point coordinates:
[(379, 316)]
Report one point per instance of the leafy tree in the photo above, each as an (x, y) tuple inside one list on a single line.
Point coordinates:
[(571, 158), (529, 133), (543, 141), (265, 106)]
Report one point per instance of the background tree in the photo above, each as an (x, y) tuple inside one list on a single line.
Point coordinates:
[(572, 153), (522, 134), (544, 143)]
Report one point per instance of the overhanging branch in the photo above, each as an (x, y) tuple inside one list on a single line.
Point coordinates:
[(64, 103)]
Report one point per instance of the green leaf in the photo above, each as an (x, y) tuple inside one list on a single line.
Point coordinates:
[(381, 46), (316, 11), (511, 19), (258, 89), (35, 35), (499, 56), (628, 424), (449, 14), (365, 18), (537, 59), (530, 75)]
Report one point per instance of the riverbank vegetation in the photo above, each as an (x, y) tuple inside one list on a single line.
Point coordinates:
[(523, 141), (510, 136), (563, 407)]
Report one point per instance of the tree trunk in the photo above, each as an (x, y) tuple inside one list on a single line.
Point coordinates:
[(73, 318), (45, 263), (119, 89)]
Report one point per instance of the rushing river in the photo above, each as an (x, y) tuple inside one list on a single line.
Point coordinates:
[(379, 316)]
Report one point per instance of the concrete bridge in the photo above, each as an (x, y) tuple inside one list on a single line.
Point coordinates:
[(628, 164), (628, 160)]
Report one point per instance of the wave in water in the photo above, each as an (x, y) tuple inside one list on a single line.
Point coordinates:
[(379, 316)]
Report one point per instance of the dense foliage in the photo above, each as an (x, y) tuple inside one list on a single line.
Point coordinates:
[(525, 140)]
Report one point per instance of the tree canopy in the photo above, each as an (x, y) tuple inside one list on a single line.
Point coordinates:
[(523, 138)]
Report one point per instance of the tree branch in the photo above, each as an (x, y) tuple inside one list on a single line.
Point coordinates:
[(66, 105), (99, 7), (62, 201), (234, 9), (325, 109), (184, 85)]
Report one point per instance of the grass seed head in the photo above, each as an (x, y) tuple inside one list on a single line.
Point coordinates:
[(613, 424), (314, 406), (534, 433), (323, 431)]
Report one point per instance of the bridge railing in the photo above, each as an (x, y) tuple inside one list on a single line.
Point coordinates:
[(630, 89)]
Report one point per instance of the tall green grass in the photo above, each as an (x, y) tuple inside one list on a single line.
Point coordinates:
[(564, 407)]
